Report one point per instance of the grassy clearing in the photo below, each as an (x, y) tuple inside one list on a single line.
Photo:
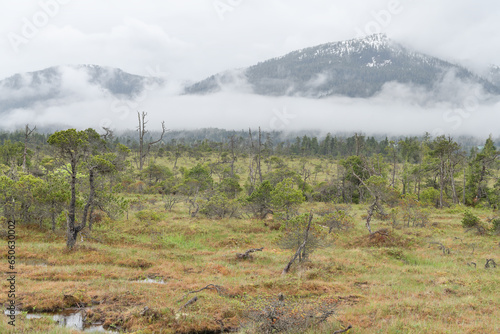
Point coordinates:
[(399, 283)]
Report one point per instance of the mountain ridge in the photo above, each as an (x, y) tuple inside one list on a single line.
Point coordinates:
[(353, 68), (25, 90)]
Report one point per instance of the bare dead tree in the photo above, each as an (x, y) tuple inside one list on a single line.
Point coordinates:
[(233, 158), (171, 201), (251, 172), (27, 133), (259, 156), (108, 135), (374, 207), (145, 148)]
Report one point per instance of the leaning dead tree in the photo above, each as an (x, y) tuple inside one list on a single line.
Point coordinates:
[(377, 192), (144, 148), (301, 247)]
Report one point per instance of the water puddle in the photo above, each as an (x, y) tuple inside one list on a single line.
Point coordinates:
[(151, 280), (69, 318)]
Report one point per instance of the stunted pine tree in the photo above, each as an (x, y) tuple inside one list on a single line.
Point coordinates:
[(481, 172), (285, 198), (81, 149), (443, 150)]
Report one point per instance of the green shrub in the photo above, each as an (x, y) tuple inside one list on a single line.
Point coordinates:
[(337, 217), (470, 220), (429, 196), (285, 198), (148, 215), (496, 225), (219, 206)]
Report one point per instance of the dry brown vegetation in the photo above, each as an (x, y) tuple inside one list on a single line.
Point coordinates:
[(393, 281)]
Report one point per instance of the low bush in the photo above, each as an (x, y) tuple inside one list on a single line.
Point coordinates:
[(471, 221)]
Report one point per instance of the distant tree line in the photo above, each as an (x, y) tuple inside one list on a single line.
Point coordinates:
[(73, 179)]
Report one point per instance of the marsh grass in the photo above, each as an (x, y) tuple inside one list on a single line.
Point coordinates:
[(395, 284)]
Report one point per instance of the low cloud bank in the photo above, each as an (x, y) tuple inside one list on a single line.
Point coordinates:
[(452, 107)]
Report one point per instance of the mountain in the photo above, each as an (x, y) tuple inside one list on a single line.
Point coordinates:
[(25, 90), (354, 68), (494, 75)]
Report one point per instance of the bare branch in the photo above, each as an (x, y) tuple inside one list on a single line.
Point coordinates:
[(490, 263), (441, 247), (109, 133), (246, 255), (363, 183), (95, 239), (189, 302), (218, 288), (343, 330), (163, 131)]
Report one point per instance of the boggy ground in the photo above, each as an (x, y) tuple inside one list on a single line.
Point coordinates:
[(392, 282)]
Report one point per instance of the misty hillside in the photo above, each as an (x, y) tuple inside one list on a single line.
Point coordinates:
[(494, 75), (25, 90), (354, 68)]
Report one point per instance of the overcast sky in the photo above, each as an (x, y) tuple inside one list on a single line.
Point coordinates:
[(188, 40), (191, 39)]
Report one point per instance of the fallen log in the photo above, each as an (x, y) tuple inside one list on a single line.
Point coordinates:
[(247, 255)]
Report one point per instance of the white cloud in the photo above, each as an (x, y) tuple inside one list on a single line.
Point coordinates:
[(187, 41)]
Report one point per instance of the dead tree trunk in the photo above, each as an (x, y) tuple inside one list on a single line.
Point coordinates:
[(371, 211), (394, 166), (27, 133), (233, 157), (441, 183), (258, 156), (301, 250), (372, 208), (251, 173), (73, 229), (463, 191), (141, 128)]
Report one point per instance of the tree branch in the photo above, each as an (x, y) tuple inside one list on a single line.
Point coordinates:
[(246, 255), (218, 288), (189, 302), (343, 330)]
